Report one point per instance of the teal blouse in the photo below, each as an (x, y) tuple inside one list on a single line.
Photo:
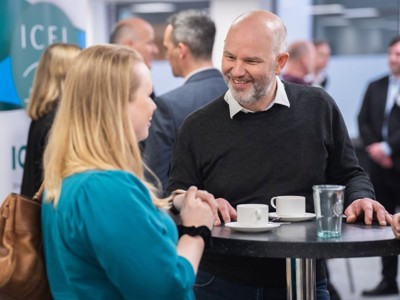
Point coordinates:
[(106, 240)]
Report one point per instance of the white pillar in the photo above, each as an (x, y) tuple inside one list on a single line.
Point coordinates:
[(223, 12), (297, 18)]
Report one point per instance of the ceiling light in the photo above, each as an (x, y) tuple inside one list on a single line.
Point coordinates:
[(151, 8), (326, 9), (365, 12)]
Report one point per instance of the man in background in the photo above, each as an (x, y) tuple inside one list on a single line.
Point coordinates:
[(189, 40), (137, 34), (323, 54), (379, 126), (301, 63)]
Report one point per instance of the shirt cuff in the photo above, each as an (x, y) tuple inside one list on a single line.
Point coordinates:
[(386, 148)]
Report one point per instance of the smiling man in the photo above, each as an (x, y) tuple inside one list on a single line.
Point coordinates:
[(264, 138)]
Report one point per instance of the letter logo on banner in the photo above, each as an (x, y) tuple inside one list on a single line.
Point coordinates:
[(37, 27), (25, 31)]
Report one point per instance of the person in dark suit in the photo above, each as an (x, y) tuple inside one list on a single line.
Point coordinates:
[(189, 40), (46, 92), (379, 126)]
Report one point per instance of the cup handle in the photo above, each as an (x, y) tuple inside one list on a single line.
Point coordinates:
[(258, 214), (273, 200)]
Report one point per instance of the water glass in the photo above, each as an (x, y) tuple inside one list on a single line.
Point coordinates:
[(328, 204)]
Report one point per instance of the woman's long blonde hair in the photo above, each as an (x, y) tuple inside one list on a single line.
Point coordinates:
[(92, 129), (49, 78)]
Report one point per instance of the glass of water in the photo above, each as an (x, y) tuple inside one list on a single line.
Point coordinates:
[(328, 204)]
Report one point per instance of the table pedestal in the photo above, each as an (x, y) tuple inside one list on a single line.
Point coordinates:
[(302, 285)]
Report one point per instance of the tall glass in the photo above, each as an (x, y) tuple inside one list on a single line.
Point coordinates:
[(328, 204)]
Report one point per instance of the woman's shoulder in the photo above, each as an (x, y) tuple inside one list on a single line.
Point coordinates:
[(103, 184), (102, 176)]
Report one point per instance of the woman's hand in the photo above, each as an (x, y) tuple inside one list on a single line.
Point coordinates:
[(197, 208), (219, 207)]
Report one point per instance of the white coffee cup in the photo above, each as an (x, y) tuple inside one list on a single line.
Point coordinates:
[(289, 205), (252, 214)]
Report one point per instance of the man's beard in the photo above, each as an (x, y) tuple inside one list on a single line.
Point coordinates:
[(257, 91)]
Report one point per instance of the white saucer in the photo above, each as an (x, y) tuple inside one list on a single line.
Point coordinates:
[(298, 218), (236, 226)]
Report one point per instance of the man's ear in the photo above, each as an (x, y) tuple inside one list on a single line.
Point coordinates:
[(183, 50), (281, 62), (128, 43)]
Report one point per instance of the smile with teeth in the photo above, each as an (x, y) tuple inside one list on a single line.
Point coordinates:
[(240, 81)]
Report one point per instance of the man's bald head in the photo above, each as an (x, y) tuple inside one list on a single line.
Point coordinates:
[(265, 25), (137, 34)]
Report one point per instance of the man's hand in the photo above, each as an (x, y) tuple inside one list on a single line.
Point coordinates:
[(219, 207), (375, 152), (369, 208), (227, 212), (396, 225)]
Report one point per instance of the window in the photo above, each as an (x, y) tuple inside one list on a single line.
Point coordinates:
[(356, 26)]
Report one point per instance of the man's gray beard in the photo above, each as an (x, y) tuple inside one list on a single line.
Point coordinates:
[(247, 98)]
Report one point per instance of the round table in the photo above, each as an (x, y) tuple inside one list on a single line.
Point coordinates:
[(298, 243)]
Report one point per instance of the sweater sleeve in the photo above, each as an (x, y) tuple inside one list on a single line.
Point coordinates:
[(343, 167), (132, 240)]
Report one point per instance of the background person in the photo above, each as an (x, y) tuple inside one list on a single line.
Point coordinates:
[(105, 235), (137, 34), (189, 40), (323, 55), (46, 92), (379, 127), (264, 138), (301, 63)]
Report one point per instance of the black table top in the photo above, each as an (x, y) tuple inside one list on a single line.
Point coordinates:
[(299, 240)]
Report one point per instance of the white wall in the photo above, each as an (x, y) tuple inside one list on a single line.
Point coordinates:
[(348, 79), (223, 12), (96, 22), (295, 15)]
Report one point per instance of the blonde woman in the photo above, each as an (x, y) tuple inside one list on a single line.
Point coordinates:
[(46, 92), (105, 234)]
